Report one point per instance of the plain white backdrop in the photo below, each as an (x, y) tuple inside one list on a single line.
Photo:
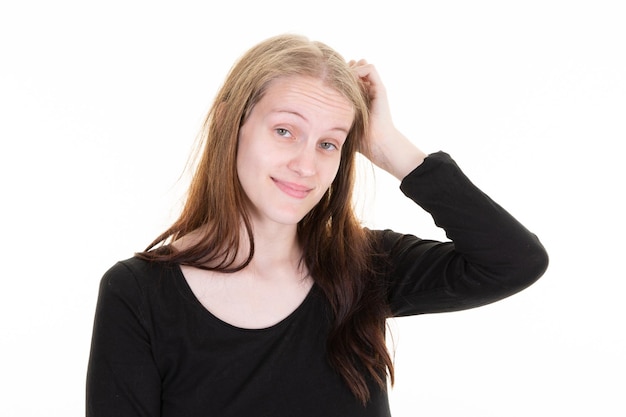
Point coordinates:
[(100, 104)]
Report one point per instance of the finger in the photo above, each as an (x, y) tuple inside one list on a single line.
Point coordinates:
[(352, 63), (364, 70)]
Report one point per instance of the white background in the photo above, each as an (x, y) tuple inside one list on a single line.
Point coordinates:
[(100, 104)]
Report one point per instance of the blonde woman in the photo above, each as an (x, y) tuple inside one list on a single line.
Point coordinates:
[(267, 297)]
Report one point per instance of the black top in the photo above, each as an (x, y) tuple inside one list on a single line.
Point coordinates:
[(156, 351)]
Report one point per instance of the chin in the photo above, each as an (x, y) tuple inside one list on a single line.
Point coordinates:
[(282, 218), (289, 220)]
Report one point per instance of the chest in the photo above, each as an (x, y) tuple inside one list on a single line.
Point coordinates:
[(245, 301), (210, 368)]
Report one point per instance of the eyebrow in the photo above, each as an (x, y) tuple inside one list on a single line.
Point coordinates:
[(295, 113)]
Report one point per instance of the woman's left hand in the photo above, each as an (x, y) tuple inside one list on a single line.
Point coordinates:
[(388, 148)]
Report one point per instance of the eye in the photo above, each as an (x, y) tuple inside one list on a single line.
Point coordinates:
[(328, 146), (283, 132)]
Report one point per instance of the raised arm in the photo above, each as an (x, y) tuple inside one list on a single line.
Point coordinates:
[(490, 255)]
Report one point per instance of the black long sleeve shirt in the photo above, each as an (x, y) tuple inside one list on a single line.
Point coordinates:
[(156, 351)]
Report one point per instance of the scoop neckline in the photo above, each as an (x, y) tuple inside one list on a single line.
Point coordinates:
[(188, 293)]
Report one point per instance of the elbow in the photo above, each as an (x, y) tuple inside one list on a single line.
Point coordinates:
[(538, 263), (531, 266)]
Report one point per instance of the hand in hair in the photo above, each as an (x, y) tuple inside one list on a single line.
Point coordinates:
[(388, 149)]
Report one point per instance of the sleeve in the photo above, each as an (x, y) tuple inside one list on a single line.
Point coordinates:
[(490, 256), (122, 377)]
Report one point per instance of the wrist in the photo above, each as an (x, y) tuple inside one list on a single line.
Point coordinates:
[(397, 155)]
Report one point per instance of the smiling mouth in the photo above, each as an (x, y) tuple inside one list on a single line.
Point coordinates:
[(292, 189)]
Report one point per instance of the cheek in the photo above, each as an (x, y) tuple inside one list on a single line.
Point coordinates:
[(240, 161), (245, 152), (330, 172)]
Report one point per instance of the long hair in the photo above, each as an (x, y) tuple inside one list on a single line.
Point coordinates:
[(337, 250)]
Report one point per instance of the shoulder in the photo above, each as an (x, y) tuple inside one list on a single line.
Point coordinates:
[(133, 275)]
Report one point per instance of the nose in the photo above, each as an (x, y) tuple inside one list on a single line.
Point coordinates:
[(303, 162)]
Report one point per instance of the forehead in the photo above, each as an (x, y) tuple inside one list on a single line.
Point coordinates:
[(307, 94)]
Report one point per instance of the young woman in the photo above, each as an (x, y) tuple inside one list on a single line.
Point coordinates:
[(267, 297)]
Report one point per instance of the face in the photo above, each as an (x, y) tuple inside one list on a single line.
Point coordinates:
[(290, 148)]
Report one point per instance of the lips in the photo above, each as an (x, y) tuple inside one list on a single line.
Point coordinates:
[(292, 189)]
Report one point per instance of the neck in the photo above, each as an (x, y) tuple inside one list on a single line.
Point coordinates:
[(275, 247)]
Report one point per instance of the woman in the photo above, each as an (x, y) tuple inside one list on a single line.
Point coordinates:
[(267, 297)]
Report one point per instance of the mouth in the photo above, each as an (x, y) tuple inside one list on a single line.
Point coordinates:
[(292, 189)]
